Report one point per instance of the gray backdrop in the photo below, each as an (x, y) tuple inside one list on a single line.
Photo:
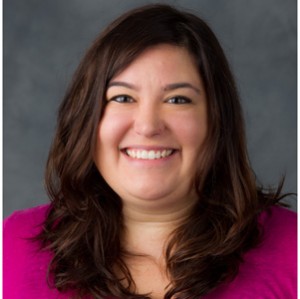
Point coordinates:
[(44, 41)]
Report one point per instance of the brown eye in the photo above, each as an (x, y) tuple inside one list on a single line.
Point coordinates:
[(179, 100), (122, 99)]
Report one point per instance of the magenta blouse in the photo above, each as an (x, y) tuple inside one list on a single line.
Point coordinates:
[(268, 271)]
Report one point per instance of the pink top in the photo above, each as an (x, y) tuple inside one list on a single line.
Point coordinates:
[(268, 271)]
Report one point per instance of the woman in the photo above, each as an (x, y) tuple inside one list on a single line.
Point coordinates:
[(152, 194)]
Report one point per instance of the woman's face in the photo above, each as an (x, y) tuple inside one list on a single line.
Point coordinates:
[(154, 126)]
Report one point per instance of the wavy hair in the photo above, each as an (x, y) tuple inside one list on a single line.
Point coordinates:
[(84, 223)]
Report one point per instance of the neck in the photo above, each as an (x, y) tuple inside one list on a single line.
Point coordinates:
[(148, 229)]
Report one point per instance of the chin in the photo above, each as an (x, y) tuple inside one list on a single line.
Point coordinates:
[(150, 195)]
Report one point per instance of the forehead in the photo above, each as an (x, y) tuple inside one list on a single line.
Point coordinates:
[(164, 62)]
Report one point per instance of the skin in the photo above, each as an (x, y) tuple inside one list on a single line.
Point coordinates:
[(157, 103)]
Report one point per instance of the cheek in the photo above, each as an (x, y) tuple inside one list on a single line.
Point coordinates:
[(111, 129), (191, 129)]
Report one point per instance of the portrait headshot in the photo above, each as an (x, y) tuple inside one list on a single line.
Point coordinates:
[(150, 149)]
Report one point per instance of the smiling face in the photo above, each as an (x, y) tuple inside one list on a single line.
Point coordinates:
[(153, 128)]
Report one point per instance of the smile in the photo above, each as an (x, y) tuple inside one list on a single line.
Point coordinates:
[(149, 154)]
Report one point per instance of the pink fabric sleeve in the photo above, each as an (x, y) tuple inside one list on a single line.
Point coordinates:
[(25, 266), (268, 271)]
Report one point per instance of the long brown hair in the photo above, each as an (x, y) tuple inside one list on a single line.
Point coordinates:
[(84, 223)]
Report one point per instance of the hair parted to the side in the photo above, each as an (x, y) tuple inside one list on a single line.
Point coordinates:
[(84, 223)]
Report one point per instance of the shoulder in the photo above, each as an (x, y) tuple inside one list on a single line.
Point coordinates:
[(270, 269), (281, 217), (21, 227), (279, 231), (25, 264), (272, 265), (25, 223)]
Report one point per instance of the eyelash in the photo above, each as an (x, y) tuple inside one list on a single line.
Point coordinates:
[(177, 100), (124, 99)]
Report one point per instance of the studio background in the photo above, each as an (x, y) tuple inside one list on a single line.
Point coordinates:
[(45, 40)]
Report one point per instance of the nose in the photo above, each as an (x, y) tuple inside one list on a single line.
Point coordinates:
[(149, 121)]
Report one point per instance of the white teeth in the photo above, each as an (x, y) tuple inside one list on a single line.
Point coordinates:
[(148, 155), (144, 155)]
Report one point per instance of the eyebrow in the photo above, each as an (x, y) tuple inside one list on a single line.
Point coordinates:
[(168, 87), (174, 86), (123, 84)]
